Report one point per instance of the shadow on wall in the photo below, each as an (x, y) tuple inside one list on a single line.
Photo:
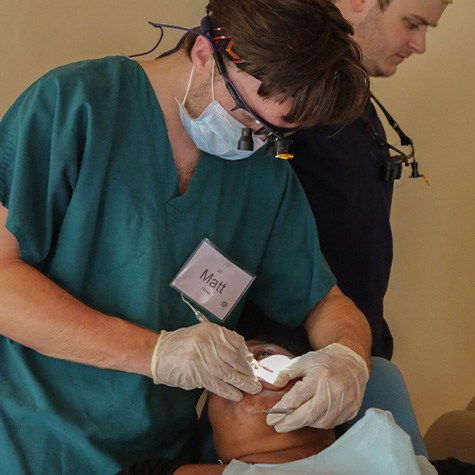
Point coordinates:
[(452, 435)]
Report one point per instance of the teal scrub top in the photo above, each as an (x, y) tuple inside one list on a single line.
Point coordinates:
[(88, 177)]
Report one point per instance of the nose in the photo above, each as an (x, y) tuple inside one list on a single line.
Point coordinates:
[(417, 43)]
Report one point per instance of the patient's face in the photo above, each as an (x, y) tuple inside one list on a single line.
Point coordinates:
[(235, 424)]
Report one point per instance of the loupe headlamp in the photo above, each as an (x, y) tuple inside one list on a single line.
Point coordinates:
[(276, 146), (277, 139), (391, 168)]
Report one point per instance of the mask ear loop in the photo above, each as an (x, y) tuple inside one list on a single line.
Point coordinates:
[(212, 81), (189, 84), (188, 87)]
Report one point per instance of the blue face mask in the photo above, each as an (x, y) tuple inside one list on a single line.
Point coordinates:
[(215, 131)]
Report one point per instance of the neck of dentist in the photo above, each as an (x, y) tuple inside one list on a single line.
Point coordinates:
[(169, 79)]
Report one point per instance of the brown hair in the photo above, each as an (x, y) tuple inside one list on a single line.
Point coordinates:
[(300, 49)]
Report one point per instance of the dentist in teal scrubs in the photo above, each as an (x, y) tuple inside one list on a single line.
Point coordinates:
[(112, 173)]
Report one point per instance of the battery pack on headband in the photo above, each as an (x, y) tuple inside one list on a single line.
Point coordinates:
[(222, 42)]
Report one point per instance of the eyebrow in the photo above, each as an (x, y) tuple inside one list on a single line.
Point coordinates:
[(422, 20)]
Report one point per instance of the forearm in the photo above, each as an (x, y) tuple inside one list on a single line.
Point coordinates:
[(38, 314), (336, 319)]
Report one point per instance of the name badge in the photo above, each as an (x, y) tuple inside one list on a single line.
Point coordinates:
[(211, 280)]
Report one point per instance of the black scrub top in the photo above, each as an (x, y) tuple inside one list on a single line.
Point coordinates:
[(340, 172)]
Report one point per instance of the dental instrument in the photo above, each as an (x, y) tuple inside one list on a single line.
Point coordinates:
[(199, 316), (274, 411)]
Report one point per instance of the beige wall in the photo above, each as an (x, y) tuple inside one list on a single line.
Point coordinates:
[(429, 304), (37, 35)]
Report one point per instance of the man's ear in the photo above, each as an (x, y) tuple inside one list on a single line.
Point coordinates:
[(201, 54), (359, 6)]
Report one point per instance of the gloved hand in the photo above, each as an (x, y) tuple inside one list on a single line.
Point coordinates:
[(330, 393), (206, 356)]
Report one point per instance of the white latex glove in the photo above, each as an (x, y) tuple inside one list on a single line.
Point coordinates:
[(330, 393), (206, 356)]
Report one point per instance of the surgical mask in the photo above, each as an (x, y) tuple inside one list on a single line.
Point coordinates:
[(215, 131)]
